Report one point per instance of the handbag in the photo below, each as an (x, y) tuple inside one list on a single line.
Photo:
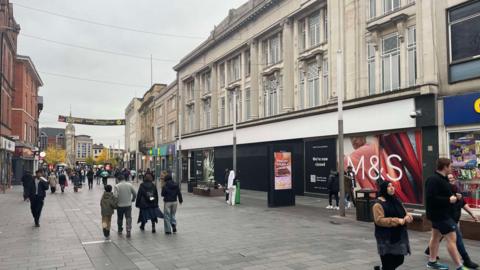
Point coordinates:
[(158, 213)]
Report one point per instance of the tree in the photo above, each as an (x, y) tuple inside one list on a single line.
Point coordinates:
[(90, 161), (54, 155), (103, 157)]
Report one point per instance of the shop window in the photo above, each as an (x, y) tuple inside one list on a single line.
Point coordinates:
[(464, 40), (465, 154)]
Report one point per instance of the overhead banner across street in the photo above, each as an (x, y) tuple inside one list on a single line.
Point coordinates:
[(91, 122)]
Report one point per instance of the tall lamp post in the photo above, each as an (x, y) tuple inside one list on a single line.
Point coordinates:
[(340, 131), (234, 91)]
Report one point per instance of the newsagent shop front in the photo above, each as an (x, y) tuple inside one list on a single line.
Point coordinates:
[(462, 123)]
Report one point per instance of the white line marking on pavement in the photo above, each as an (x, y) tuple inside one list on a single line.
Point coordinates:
[(73, 209), (96, 242)]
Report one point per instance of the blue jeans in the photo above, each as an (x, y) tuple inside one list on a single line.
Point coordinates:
[(169, 211), (460, 245)]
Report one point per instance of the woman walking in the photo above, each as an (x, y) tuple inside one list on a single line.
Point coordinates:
[(147, 202), (391, 233), (52, 180)]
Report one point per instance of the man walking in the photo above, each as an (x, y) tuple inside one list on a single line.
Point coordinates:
[(170, 193), (27, 181), (37, 194), (90, 175), (439, 205), (333, 186), (125, 194)]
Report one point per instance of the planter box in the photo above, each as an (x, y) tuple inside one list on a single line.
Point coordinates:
[(209, 192), (420, 222), (470, 229)]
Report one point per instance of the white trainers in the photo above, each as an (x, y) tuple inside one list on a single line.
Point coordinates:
[(329, 207), (349, 204), (337, 208)]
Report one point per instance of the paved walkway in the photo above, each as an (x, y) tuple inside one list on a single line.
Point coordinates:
[(211, 236)]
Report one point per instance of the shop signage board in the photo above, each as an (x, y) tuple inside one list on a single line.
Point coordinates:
[(394, 157), (283, 170), (462, 109), (320, 160), (281, 192), (91, 122), (7, 144)]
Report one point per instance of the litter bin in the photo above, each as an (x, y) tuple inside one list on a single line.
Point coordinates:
[(364, 204), (237, 192)]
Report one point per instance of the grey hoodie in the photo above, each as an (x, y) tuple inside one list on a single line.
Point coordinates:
[(125, 193)]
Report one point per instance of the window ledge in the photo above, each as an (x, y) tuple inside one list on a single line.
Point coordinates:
[(233, 85), (272, 69), (380, 25), (387, 16), (313, 52), (190, 102), (206, 96)]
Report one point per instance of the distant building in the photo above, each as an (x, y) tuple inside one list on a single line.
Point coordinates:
[(70, 144), (97, 150), (52, 137), (83, 148), (132, 133)]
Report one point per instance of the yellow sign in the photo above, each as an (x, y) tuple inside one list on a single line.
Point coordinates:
[(476, 105)]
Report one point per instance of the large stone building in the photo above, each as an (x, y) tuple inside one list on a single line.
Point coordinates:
[(9, 30), (165, 121), (284, 62), (27, 105), (83, 148), (132, 134)]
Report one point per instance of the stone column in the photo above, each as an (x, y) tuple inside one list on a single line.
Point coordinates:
[(198, 102), (255, 95), (288, 66), (214, 99)]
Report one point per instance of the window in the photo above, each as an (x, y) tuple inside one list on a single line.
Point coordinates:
[(272, 95), (325, 24), (272, 53), (159, 136), (464, 38), (191, 116), (25, 132), (325, 80), (191, 89), (207, 108), (234, 69), (238, 108), (248, 67), (390, 5), (206, 82), (372, 9), (248, 109), (301, 91), (314, 29), (222, 111), (390, 63), (171, 128), (313, 86), (302, 35), (221, 72), (159, 113), (412, 55), (371, 68), (230, 107), (172, 103)]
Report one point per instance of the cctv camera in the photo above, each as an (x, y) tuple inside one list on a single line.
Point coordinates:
[(415, 114)]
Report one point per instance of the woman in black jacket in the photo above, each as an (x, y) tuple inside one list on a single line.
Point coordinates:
[(147, 201)]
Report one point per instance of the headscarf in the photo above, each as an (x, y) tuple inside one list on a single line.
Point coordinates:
[(393, 208)]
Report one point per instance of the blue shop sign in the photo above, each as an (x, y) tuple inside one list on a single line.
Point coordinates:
[(462, 110)]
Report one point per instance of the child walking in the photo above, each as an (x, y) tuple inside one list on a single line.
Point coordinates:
[(108, 205)]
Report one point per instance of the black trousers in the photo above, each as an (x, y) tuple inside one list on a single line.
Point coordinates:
[(391, 262), (104, 180), (90, 183), (330, 194), (36, 205)]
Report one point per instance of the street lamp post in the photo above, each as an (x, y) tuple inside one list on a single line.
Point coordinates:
[(235, 130), (340, 131)]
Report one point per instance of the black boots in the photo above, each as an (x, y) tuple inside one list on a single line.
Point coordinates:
[(106, 233), (153, 228), (174, 228)]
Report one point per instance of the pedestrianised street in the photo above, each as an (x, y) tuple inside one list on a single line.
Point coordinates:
[(211, 235)]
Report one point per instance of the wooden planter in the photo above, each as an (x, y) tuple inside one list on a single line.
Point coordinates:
[(470, 229), (209, 192)]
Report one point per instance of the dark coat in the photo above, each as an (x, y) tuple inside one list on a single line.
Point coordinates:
[(62, 179), (147, 190), (90, 175), (438, 193), (333, 183), (171, 191), (108, 204), (42, 187)]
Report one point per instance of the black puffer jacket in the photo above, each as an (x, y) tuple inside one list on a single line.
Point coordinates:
[(333, 183), (147, 196), (171, 191)]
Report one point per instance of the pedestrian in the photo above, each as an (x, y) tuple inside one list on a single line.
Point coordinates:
[(333, 186), (391, 221), (225, 183), (76, 181), (104, 174), (133, 173), (62, 180), (350, 185), (231, 188), (147, 202), (97, 175), (37, 195), (90, 175), (108, 205), (440, 202), (456, 215), (125, 194), (170, 193), (52, 180), (149, 172), (27, 180)]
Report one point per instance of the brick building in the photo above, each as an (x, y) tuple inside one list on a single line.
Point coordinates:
[(52, 137), (9, 30), (26, 108)]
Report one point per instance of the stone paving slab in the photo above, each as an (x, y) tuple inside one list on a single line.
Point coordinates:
[(211, 235)]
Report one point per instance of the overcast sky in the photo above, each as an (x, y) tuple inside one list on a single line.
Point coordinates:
[(189, 18)]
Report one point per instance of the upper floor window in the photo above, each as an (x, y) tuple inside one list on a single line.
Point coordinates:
[(272, 53), (391, 63), (221, 74), (222, 111), (206, 82), (272, 95), (464, 41), (191, 116), (248, 109), (171, 128), (248, 67), (159, 113), (234, 69), (159, 136), (371, 68), (171, 103), (390, 5), (191, 89), (207, 108), (412, 55), (325, 91), (372, 9), (310, 28)]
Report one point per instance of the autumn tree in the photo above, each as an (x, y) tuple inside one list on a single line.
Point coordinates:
[(90, 161), (54, 155), (103, 157)]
